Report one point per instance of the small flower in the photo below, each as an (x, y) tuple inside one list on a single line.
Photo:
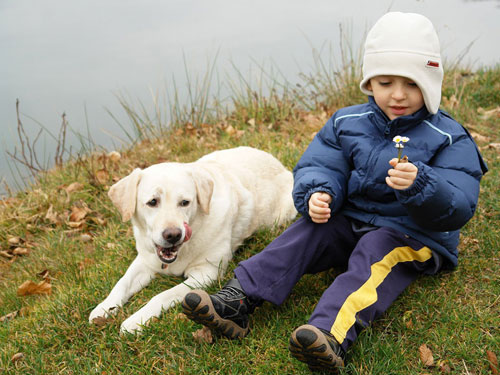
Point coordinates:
[(399, 140)]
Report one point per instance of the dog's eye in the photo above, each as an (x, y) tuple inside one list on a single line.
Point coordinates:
[(153, 202), (184, 203)]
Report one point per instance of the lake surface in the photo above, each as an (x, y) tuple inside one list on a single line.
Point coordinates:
[(74, 57)]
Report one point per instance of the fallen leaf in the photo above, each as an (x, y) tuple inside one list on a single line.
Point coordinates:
[(29, 288), (102, 176), (493, 361), (16, 357), (251, 122), (75, 186), (230, 130), (6, 254), (78, 214), (495, 146), (77, 225), (44, 274), (485, 115), (426, 355), (9, 316), (20, 251), (53, 216), (114, 156), (14, 241), (479, 137), (203, 335), (98, 220)]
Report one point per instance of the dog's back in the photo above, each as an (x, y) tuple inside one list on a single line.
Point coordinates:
[(265, 177)]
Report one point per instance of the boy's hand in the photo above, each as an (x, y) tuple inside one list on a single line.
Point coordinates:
[(402, 175), (319, 207)]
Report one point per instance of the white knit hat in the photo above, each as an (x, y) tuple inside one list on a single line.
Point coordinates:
[(405, 44)]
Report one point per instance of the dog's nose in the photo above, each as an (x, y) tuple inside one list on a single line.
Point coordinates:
[(172, 235)]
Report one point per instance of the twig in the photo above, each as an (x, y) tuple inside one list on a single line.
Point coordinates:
[(61, 142), (27, 156)]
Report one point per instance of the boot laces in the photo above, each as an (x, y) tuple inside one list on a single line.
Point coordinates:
[(229, 292)]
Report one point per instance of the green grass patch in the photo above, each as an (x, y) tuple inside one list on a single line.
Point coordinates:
[(456, 314)]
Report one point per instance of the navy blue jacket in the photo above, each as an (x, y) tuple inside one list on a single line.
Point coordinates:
[(349, 159)]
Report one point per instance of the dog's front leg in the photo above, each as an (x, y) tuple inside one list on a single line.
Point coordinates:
[(199, 277), (137, 277)]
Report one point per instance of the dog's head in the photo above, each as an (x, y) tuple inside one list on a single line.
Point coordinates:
[(162, 201)]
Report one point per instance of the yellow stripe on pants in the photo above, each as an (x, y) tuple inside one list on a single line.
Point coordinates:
[(366, 295)]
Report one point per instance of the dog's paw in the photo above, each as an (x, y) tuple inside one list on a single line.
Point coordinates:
[(102, 311), (132, 325)]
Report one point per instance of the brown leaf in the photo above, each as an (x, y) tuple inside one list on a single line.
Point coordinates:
[(9, 316), (14, 241), (493, 361), (426, 355), (16, 357), (77, 225), (494, 146), (114, 156), (479, 137), (75, 186), (485, 115), (44, 274), (20, 251), (6, 254), (78, 213), (203, 335), (97, 220), (102, 176), (29, 288), (53, 216), (230, 130)]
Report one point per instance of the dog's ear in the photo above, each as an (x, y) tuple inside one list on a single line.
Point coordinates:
[(204, 188), (123, 194)]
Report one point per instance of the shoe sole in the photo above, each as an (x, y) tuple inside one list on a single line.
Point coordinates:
[(198, 307), (308, 344)]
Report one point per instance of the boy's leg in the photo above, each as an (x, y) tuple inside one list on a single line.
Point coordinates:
[(270, 275), (305, 247), (382, 265)]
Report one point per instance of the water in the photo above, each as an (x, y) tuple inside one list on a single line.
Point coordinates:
[(74, 57)]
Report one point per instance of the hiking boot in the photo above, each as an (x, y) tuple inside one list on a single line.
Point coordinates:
[(316, 347), (225, 312)]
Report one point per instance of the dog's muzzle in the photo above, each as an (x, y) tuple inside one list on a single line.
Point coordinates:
[(172, 236)]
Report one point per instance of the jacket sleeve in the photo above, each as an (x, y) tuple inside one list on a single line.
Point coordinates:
[(322, 167), (445, 194)]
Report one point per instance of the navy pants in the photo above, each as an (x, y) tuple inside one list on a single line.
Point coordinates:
[(380, 265)]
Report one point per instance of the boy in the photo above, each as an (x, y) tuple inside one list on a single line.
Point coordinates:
[(386, 221)]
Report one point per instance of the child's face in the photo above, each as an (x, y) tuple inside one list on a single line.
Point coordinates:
[(396, 96)]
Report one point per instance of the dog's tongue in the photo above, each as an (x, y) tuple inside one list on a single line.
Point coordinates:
[(188, 232)]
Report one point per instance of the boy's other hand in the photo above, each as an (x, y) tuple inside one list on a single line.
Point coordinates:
[(402, 175), (319, 207)]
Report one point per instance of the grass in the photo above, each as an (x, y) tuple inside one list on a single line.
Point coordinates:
[(456, 314)]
